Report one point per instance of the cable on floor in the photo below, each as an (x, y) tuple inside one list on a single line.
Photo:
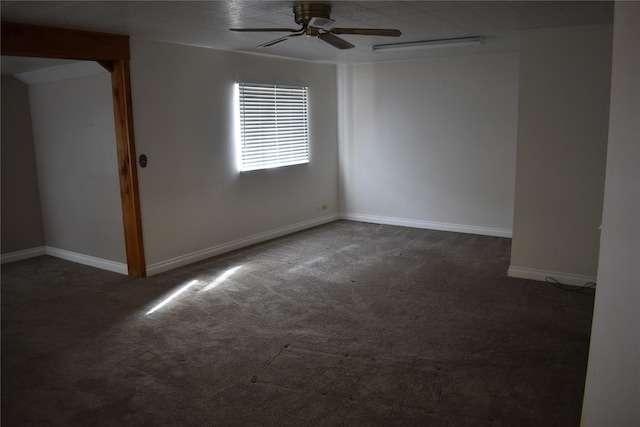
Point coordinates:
[(586, 289)]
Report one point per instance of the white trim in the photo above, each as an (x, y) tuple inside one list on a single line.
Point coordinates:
[(430, 225), (203, 254), (541, 275), (23, 254), (89, 260)]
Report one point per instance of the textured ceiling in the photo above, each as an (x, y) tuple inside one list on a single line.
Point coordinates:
[(207, 23)]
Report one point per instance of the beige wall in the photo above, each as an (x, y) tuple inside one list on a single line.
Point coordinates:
[(21, 215), (194, 201), (430, 143), (74, 138), (612, 390), (562, 139)]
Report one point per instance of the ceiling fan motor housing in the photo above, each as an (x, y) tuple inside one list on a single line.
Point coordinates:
[(304, 12)]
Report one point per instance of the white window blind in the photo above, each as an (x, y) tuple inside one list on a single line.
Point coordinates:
[(273, 128)]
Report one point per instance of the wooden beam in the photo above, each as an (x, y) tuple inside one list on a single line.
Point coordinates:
[(122, 108), (107, 64), (48, 42)]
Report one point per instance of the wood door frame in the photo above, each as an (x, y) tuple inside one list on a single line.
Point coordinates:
[(112, 52)]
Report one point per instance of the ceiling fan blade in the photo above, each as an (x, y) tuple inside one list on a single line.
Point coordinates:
[(281, 39), (255, 30), (368, 31), (335, 41), (272, 42)]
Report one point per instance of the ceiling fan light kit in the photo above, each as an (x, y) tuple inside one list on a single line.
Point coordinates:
[(315, 21), (431, 44)]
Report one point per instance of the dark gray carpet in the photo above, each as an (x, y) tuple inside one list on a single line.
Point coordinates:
[(346, 324)]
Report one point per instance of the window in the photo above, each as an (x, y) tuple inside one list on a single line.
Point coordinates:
[(273, 125)]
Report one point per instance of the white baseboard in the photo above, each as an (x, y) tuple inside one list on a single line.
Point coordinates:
[(541, 275), (429, 225), (182, 260), (203, 254), (23, 254), (104, 264)]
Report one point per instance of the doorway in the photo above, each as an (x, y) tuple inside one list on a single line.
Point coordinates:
[(112, 52)]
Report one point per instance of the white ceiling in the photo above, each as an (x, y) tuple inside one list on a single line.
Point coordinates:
[(207, 23)]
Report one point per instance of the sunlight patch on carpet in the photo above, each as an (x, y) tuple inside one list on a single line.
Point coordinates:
[(224, 276), (172, 297)]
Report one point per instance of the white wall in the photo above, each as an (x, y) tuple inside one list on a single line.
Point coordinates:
[(194, 202), (565, 76), (430, 143), (612, 393), (21, 216), (75, 149)]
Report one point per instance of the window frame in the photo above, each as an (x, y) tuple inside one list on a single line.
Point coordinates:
[(272, 125)]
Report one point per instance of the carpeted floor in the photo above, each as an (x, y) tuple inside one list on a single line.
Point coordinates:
[(348, 324)]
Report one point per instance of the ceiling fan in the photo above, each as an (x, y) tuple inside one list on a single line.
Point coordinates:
[(315, 19)]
